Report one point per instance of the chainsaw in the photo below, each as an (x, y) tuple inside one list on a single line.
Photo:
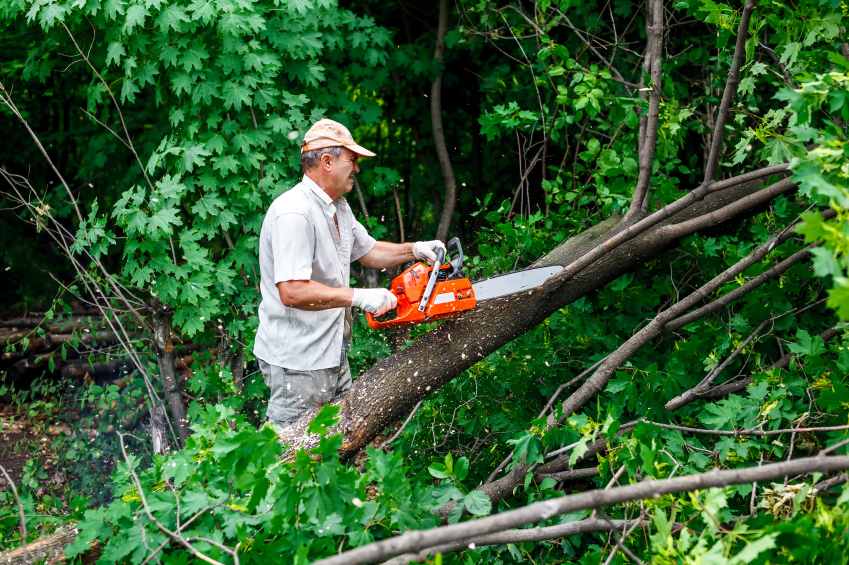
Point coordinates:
[(428, 294)]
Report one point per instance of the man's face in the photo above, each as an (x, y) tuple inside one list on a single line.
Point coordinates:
[(343, 171)]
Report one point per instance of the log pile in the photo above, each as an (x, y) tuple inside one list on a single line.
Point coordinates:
[(30, 343)]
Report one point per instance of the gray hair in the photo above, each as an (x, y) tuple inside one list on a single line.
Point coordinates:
[(312, 158)]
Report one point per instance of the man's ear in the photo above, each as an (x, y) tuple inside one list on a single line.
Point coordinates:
[(326, 162)]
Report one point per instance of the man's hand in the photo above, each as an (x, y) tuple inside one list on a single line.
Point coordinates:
[(426, 250), (377, 301)]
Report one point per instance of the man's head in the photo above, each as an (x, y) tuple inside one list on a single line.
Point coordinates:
[(329, 157)]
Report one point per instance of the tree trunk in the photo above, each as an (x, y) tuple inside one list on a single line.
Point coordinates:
[(164, 349), (159, 430), (394, 385), (232, 357), (438, 133)]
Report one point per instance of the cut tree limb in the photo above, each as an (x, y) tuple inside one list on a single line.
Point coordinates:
[(50, 550)]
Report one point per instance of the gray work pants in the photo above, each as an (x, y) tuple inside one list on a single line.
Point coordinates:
[(293, 392)]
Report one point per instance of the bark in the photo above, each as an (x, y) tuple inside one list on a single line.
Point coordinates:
[(159, 430), (517, 536), (642, 93), (164, 349), (545, 510), (50, 550), (439, 134), (393, 386)]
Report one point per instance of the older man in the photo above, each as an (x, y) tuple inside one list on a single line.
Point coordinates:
[(308, 240)]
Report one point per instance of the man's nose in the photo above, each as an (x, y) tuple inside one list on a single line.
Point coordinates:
[(356, 167)]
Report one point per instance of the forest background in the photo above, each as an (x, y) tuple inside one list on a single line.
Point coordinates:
[(676, 394)]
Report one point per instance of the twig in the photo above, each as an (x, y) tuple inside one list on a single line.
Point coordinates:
[(23, 522), (620, 541), (750, 432), (173, 535), (401, 429)]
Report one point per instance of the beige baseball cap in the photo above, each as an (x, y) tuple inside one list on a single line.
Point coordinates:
[(327, 133)]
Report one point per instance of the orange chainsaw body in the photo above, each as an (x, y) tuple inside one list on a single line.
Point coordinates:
[(450, 297)]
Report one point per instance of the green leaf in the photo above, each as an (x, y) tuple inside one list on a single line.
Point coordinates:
[(478, 503), (807, 344), (461, 468), (439, 471), (527, 445), (171, 17), (193, 155), (456, 513), (754, 549), (235, 95), (326, 418)]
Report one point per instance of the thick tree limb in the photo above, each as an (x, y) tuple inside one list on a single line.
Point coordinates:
[(571, 475), (738, 292), (503, 487), (517, 536), (418, 540)]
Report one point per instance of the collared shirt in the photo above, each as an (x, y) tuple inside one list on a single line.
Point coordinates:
[(299, 241)]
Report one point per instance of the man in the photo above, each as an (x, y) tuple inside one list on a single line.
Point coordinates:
[(308, 240)]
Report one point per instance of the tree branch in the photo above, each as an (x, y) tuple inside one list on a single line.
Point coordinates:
[(438, 132), (730, 91), (639, 202), (517, 536)]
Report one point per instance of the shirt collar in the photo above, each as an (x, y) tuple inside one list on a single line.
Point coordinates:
[(325, 199)]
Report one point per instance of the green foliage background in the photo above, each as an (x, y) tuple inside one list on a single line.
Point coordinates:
[(216, 96)]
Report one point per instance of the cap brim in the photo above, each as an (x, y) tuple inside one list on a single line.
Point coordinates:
[(361, 151)]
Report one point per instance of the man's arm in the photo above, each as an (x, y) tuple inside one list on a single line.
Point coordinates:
[(313, 296), (385, 255)]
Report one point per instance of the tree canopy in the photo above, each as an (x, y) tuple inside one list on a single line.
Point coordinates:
[(677, 393)]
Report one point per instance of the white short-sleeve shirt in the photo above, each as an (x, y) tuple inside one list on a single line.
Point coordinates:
[(299, 241)]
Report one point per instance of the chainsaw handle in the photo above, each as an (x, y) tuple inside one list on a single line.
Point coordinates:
[(377, 324), (457, 262), (431, 282)]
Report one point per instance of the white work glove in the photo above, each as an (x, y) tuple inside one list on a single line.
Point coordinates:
[(377, 301), (426, 250)]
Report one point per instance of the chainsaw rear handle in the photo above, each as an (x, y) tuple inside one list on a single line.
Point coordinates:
[(377, 324)]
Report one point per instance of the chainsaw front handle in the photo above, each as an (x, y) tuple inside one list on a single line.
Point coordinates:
[(431, 282)]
